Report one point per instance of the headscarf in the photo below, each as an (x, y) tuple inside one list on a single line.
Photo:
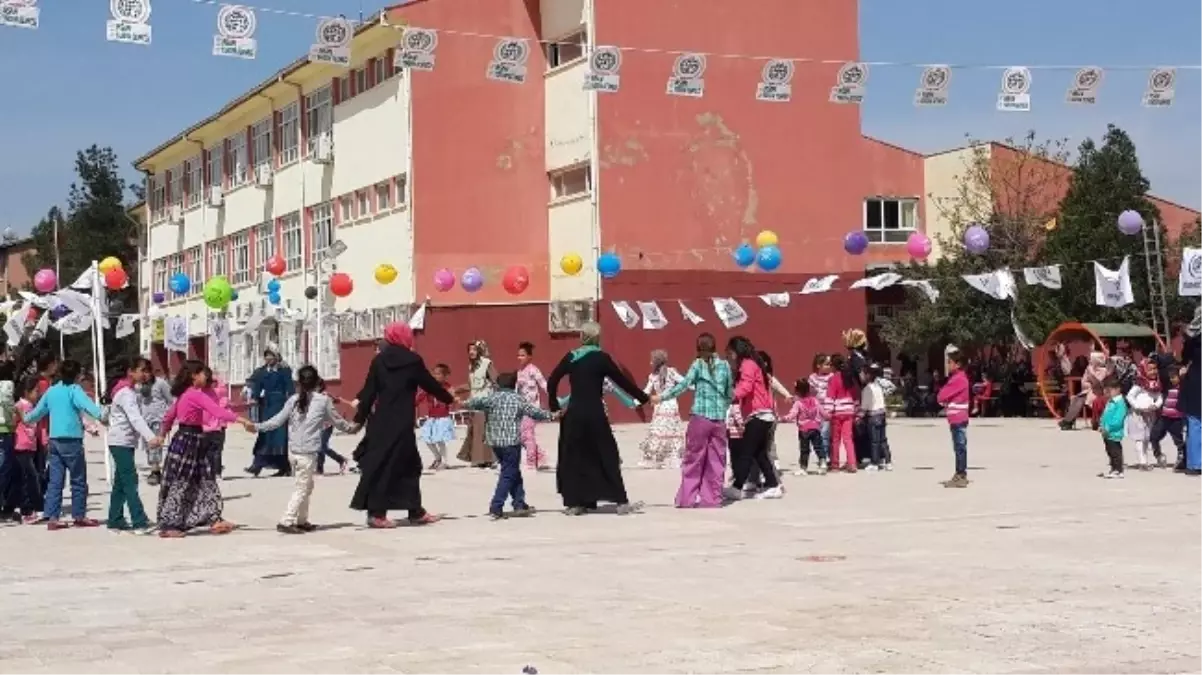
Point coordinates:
[(399, 333), (590, 340), (659, 359), (1195, 324)]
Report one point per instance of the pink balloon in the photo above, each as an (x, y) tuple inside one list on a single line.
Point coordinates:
[(918, 246), (444, 280), (45, 280)]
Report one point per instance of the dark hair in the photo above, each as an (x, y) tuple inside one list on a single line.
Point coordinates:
[(1111, 382), (765, 361), (955, 356), (117, 370), (870, 372), (801, 388), (308, 381), (46, 359), (183, 376), (743, 350), (30, 383), (507, 380), (68, 371), (527, 347), (442, 367), (706, 347), (820, 359), (8, 371)]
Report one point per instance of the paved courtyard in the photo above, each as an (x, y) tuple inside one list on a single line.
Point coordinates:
[(1038, 567)]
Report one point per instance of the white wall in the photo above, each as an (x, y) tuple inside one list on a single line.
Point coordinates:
[(373, 128), (560, 17), (566, 116), (570, 230), (942, 177), (384, 239)]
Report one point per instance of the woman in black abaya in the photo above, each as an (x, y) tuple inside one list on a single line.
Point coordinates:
[(589, 469)]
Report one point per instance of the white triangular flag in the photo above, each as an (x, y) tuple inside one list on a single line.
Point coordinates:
[(39, 301), (1006, 283), (925, 286), (1113, 287), (74, 300), (729, 312), (175, 334), (819, 284), (775, 299), (879, 281), (254, 317), (626, 313), (86, 281), (993, 284), (653, 316), (14, 328), (688, 314), (1048, 277), (73, 323), (418, 320), (1190, 281)]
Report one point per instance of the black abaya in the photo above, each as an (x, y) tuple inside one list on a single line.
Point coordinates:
[(390, 466), (589, 469)]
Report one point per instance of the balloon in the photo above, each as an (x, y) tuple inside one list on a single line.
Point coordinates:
[(1130, 222), (341, 284), (766, 238), (233, 294), (273, 298), (918, 246), (571, 264), (976, 239), (516, 280), (855, 242), (218, 292), (609, 264), (273, 286), (444, 280), (276, 265), (768, 258), (311, 292), (108, 264), (385, 274), (115, 279), (45, 280), (180, 283), (473, 280), (744, 255), (158, 297)]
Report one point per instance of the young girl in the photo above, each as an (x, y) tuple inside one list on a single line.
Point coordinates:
[(189, 495), (127, 426), (531, 385), (752, 392), (438, 429), (807, 413), (25, 449), (840, 406), (665, 435), (1143, 406), (872, 407), (214, 428), (307, 412), (820, 379)]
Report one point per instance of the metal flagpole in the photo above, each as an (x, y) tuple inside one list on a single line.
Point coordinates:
[(99, 319), (58, 273)]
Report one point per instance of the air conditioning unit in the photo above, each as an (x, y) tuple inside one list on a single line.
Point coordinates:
[(263, 175), (568, 316), (324, 152), (216, 198), (177, 214)]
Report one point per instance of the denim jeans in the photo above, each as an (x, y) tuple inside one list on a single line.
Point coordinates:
[(509, 479), (960, 447), (327, 451), (878, 441), (9, 473), (66, 457), (1193, 442)]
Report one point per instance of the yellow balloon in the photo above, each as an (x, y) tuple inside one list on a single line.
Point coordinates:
[(766, 238), (571, 264), (385, 273), (109, 264)]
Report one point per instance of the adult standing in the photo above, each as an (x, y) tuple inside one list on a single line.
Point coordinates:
[(1190, 395), (481, 376), (390, 465), (271, 384), (589, 469)]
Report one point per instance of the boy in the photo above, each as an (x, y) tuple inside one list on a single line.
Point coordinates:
[(953, 396), (1111, 426), (504, 410)]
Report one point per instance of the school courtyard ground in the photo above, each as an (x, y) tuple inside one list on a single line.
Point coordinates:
[(1039, 566)]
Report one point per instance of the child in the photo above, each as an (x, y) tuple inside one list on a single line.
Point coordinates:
[(64, 402), (953, 396), (734, 445), (1171, 423), (531, 385), (214, 428), (326, 451), (127, 426), (438, 429), (665, 439), (872, 407), (1111, 426), (307, 413), (808, 415), (841, 406), (504, 410), (25, 449), (819, 381), (1142, 405)]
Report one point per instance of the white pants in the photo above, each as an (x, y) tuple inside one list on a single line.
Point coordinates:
[(303, 467)]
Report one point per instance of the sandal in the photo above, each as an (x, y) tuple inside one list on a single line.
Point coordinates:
[(171, 534), (380, 524), (427, 519), (222, 527)]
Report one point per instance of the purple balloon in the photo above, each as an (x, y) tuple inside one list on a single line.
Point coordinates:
[(1130, 222), (158, 298), (855, 242), (976, 239), (472, 280)]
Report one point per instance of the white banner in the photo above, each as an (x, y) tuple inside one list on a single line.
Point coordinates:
[(1048, 277), (653, 316), (625, 313), (1113, 287), (1190, 281), (729, 312), (175, 334), (819, 284), (879, 281), (688, 314), (775, 299)]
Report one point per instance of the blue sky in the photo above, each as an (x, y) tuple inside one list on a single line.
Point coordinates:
[(66, 87)]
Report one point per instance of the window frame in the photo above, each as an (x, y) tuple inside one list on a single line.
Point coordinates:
[(319, 115), (884, 234), (158, 198), (576, 39), (159, 276), (239, 160), (265, 248), (321, 228), (194, 261), (290, 130), (346, 208), (177, 184), (240, 252), (261, 143), (292, 235), (218, 258), (217, 166), (383, 190), (195, 178), (559, 186)]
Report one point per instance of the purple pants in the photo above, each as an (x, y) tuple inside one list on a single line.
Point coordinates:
[(704, 465)]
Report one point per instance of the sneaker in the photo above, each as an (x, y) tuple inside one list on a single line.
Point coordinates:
[(887, 466), (628, 508), (1110, 474), (575, 511), (524, 511), (957, 481), (288, 529), (732, 494), (144, 531), (154, 478), (306, 527), (495, 516), (872, 468), (771, 493), (822, 468), (850, 468), (801, 471), (31, 519)]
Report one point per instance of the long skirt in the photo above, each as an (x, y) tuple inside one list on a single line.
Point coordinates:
[(189, 496), (589, 469), (473, 450)]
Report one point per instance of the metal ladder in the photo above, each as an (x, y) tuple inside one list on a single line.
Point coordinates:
[(1154, 263)]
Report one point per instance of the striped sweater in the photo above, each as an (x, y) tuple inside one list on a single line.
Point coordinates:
[(841, 400)]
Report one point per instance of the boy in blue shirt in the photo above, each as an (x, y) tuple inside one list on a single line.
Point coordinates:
[(1111, 426), (64, 401)]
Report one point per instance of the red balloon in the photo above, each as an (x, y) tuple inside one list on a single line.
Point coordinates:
[(516, 280), (115, 279), (341, 284), (276, 265)]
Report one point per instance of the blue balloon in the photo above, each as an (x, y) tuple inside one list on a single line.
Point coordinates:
[(233, 294), (744, 255), (609, 264), (273, 298), (273, 286), (768, 258), (180, 283)]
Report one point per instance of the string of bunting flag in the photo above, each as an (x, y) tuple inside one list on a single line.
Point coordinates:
[(236, 26)]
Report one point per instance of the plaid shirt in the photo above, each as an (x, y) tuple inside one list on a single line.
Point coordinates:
[(712, 390), (504, 410)]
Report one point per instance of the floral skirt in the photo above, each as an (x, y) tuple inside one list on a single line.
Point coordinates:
[(189, 496), (664, 443)]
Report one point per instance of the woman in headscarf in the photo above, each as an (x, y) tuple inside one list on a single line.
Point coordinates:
[(271, 384), (665, 435), (389, 463), (1189, 399), (590, 467), (1091, 397), (480, 378)]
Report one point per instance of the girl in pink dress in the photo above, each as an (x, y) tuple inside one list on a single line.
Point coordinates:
[(531, 385)]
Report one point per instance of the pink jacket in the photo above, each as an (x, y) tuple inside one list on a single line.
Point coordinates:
[(216, 391), (841, 400), (751, 392), (954, 397), (807, 413)]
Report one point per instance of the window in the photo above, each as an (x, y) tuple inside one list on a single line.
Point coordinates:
[(402, 183), (240, 254), (216, 167), (158, 198), (289, 133), (383, 197), (566, 49), (346, 206), (175, 265), (217, 259), (378, 68), (322, 219), (289, 341), (239, 167), (344, 88), (890, 220), (243, 350), (260, 136), (570, 182), (324, 348), (196, 270), (363, 201), (159, 278), (320, 116), (177, 185), (293, 240), (264, 244), (360, 80), (196, 180)]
